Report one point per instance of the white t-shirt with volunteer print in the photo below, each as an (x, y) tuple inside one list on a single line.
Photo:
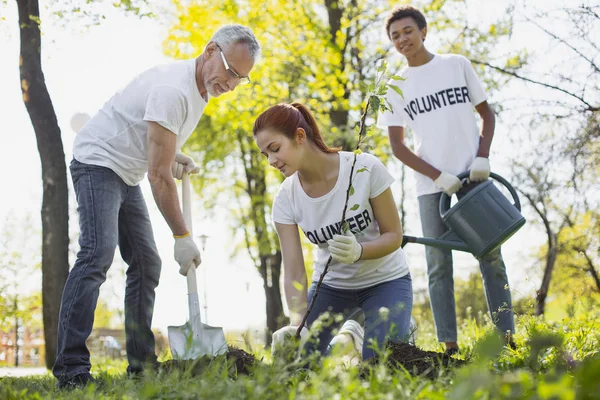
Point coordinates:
[(319, 219), (437, 105), (116, 136)]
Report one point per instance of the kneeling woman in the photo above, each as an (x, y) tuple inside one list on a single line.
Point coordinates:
[(368, 269)]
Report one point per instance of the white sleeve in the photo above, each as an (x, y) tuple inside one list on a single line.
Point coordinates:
[(380, 177), (392, 117), (166, 106), (476, 92), (282, 208)]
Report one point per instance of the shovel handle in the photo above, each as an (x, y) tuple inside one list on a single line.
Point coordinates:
[(192, 283)]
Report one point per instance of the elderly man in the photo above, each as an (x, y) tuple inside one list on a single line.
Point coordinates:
[(139, 130)]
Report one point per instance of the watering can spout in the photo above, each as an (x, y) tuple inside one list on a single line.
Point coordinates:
[(448, 240)]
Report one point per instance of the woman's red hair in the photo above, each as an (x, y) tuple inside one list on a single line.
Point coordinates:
[(287, 118)]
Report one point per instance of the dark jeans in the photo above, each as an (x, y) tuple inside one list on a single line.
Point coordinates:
[(396, 296), (441, 280), (110, 213)]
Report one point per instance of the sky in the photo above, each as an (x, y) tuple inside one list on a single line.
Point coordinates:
[(83, 68)]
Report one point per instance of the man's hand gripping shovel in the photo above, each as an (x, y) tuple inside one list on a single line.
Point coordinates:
[(194, 339)]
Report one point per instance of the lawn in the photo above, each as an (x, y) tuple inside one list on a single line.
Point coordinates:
[(553, 360)]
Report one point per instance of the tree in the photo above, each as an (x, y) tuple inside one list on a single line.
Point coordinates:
[(54, 213), (556, 162)]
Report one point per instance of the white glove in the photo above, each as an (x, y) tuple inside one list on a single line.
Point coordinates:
[(345, 248), (448, 183), (183, 163), (280, 336), (186, 254), (351, 337), (480, 169)]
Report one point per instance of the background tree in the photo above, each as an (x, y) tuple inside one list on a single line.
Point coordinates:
[(556, 164)]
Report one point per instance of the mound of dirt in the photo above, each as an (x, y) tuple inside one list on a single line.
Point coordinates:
[(238, 362), (416, 361)]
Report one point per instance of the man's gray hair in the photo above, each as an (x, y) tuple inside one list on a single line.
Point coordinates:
[(229, 35)]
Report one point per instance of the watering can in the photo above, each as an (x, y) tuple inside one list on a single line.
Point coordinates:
[(480, 221)]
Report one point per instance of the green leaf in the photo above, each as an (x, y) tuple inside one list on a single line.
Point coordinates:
[(363, 169), (351, 190), (397, 78), (389, 105), (396, 89), (354, 207), (375, 103)]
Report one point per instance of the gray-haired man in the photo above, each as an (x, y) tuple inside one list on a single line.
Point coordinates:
[(139, 130)]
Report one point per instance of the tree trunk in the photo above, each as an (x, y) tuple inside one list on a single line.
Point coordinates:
[(542, 292), (271, 272), (269, 255), (55, 217), (16, 333)]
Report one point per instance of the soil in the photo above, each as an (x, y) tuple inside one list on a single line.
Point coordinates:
[(403, 355), (238, 362), (416, 361)]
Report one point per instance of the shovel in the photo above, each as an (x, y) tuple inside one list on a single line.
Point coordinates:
[(194, 339)]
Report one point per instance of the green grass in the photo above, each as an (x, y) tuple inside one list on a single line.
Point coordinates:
[(554, 360)]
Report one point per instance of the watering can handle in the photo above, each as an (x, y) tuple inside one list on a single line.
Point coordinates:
[(192, 283), (445, 199)]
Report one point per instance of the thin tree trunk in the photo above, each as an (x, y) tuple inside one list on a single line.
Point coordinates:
[(269, 255), (55, 217), (542, 292), (271, 267), (16, 334)]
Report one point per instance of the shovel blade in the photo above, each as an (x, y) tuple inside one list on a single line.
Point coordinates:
[(188, 345)]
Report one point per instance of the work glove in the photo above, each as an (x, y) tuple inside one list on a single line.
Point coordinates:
[(345, 248), (448, 183), (281, 336), (183, 163), (480, 169), (350, 337), (186, 254)]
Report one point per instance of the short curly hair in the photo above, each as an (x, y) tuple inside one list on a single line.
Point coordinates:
[(403, 12)]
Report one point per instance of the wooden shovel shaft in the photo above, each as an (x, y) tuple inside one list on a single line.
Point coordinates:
[(193, 303)]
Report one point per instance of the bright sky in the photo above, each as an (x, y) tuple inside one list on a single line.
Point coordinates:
[(82, 70)]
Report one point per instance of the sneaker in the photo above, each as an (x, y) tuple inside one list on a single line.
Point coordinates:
[(451, 351), (75, 382)]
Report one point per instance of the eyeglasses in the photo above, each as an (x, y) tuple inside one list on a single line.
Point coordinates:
[(244, 80)]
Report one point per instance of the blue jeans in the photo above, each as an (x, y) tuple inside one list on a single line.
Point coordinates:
[(441, 281), (110, 213), (395, 295)]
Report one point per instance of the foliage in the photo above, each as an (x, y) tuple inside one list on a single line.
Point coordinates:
[(558, 360)]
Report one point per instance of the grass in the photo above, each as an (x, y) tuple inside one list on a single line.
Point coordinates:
[(553, 360)]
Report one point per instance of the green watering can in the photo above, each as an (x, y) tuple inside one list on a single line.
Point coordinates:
[(480, 221)]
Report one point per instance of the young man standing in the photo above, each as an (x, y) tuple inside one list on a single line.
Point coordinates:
[(439, 93)]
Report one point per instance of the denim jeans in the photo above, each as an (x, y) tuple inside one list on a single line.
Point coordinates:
[(395, 295), (110, 213), (441, 281)]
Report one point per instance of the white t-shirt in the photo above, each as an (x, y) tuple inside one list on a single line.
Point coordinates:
[(116, 137), (319, 219), (438, 107)]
